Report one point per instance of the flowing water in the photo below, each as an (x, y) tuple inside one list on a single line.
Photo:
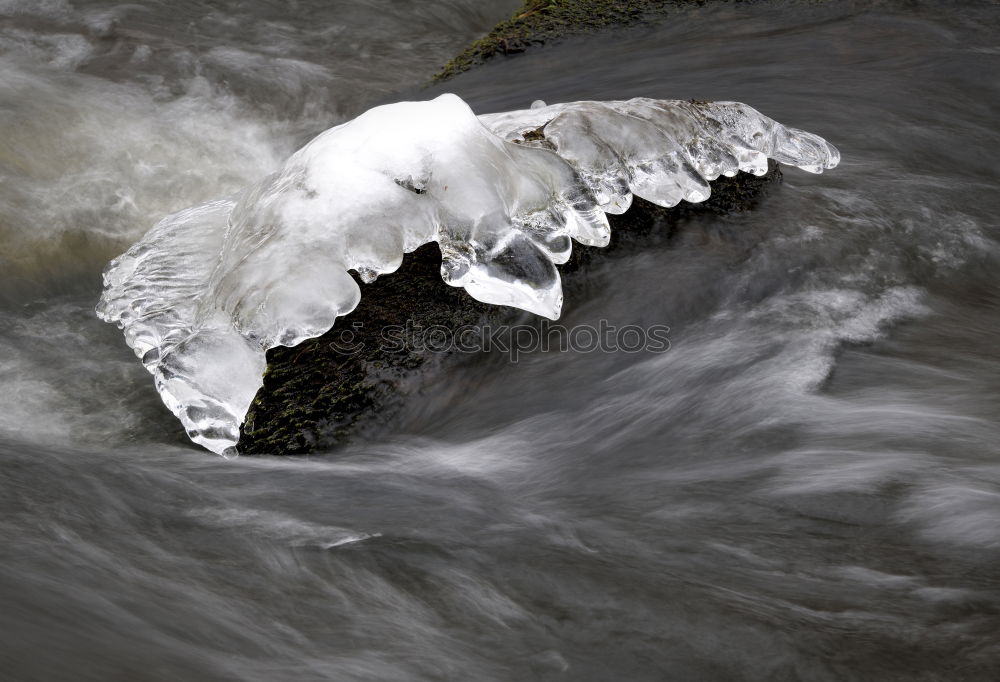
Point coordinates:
[(805, 486)]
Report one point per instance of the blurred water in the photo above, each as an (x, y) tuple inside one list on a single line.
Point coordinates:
[(806, 486)]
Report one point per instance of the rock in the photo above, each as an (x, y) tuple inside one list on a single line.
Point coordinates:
[(320, 394), (350, 382)]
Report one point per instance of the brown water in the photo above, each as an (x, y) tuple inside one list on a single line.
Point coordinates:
[(806, 486)]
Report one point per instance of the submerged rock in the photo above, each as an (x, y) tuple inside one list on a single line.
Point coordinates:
[(354, 379)]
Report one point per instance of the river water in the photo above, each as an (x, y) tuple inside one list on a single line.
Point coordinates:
[(806, 486)]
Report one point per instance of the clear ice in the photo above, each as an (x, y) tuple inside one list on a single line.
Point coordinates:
[(208, 290)]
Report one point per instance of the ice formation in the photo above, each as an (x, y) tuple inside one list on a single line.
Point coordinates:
[(208, 290)]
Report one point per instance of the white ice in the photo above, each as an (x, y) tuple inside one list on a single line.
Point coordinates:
[(208, 290)]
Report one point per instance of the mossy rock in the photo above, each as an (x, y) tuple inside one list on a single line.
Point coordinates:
[(542, 21)]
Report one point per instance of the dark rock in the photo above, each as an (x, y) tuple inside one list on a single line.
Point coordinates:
[(322, 392), (543, 21)]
